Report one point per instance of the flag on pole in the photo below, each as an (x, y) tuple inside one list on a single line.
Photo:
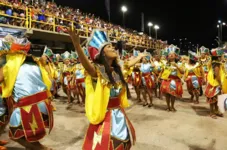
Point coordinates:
[(107, 2)]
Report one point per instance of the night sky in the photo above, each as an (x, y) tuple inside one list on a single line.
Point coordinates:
[(195, 20)]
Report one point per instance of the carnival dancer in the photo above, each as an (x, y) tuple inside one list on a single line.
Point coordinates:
[(194, 76), (77, 79), (224, 76), (47, 58), (47, 62), (67, 76), (171, 85), (25, 79), (71, 79), (80, 81), (127, 72), (106, 95), (6, 107), (164, 56), (136, 77), (205, 60), (58, 69), (214, 82), (157, 70), (148, 80)]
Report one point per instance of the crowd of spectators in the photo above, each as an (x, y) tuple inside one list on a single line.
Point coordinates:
[(48, 15)]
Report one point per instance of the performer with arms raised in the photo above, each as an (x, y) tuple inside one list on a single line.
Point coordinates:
[(106, 95)]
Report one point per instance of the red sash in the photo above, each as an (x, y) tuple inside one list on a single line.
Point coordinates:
[(102, 130), (32, 119)]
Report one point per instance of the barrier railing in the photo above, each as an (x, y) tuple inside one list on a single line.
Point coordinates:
[(58, 24), (25, 18)]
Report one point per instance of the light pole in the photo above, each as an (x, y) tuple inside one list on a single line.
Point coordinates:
[(219, 26), (124, 9), (149, 26), (156, 27)]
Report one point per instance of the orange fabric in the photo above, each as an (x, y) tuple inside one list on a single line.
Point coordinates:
[(18, 47)]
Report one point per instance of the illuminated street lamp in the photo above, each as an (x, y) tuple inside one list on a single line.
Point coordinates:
[(156, 27), (219, 26), (149, 26), (124, 9)]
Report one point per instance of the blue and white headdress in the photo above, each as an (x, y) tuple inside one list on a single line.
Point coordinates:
[(98, 40), (173, 49)]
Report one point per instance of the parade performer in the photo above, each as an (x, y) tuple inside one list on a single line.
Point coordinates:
[(171, 85), (106, 95), (46, 59), (78, 79), (127, 72), (148, 80), (214, 82), (224, 62), (194, 76), (71, 79), (6, 107), (159, 65), (205, 60), (164, 55), (25, 79), (58, 69), (66, 75), (136, 77)]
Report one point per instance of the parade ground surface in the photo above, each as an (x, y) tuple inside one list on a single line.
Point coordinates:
[(190, 128)]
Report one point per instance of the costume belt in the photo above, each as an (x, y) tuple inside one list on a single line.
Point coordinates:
[(66, 73), (31, 100), (114, 103), (191, 74), (176, 78), (146, 74), (80, 80)]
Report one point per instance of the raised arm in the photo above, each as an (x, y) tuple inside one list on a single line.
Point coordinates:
[(135, 60), (83, 58), (152, 63)]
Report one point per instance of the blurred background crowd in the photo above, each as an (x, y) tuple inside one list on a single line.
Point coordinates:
[(47, 15)]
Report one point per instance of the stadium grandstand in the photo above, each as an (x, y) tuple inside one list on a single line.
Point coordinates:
[(46, 23)]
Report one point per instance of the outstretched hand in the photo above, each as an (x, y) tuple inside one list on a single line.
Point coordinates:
[(75, 36)]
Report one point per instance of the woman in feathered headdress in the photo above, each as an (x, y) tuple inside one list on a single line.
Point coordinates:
[(159, 65), (106, 95), (215, 82), (204, 60), (194, 76), (67, 75), (172, 73), (5, 104), (24, 78), (136, 77), (148, 80)]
